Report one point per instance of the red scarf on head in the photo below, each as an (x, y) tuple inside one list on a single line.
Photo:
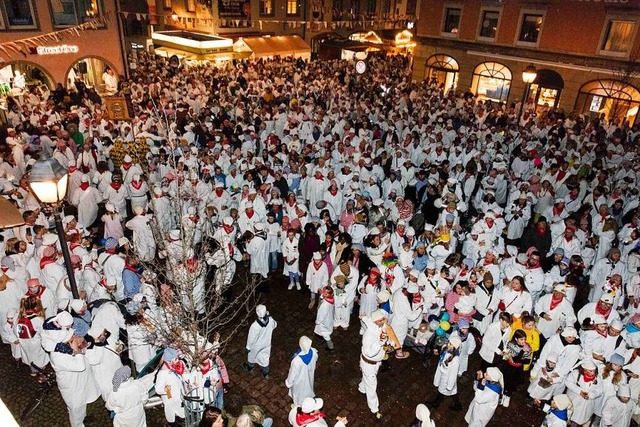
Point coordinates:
[(46, 261), (116, 185), (126, 166), (72, 169), (600, 311), (588, 378), (306, 419), (84, 185), (136, 184), (555, 301), (540, 231)]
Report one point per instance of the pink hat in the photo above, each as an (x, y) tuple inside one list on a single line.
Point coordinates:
[(33, 282)]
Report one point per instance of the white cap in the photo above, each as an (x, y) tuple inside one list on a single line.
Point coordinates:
[(317, 256), (127, 159), (85, 178), (261, 310), (311, 404), (305, 344), (249, 205), (378, 315), (64, 318), (455, 342)]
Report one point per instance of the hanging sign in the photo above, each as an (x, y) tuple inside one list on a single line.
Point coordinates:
[(56, 50)]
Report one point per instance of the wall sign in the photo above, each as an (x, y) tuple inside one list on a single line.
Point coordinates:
[(56, 50)]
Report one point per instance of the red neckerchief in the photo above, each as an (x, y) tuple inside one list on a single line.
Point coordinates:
[(534, 267), (487, 262), (72, 169), (73, 245), (130, 268), (603, 313), (333, 192), (230, 249), (219, 192), (39, 293), (84, 185), (588, 378), (561, 174), (136, 184), (306, 419), (116, 185), (556, 211), (178, 368), (205, 367), (318, 265), (126, 166), (46, 261), (330, 299), (193, 219), (249, 214), (400, 234), (555, 302)]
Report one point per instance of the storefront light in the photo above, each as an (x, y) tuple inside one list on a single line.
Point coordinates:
[(529, 74)]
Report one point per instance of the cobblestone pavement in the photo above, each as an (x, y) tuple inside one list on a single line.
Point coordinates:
[(400, 390)]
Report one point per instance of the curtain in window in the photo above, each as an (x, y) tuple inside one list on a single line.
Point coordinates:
[(619, 36)]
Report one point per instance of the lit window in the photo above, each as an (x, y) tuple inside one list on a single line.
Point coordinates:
[(292, 8), (489, 24), (619, 36), (530, 29), (451, 20), (266, 8), (492, 81)]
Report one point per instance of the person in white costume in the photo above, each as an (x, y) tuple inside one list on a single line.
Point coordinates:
[(259, 341)]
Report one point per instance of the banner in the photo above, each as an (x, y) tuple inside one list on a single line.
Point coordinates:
[(234, 9)]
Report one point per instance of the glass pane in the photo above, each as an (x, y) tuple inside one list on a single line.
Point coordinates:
[(266, 7), (87, 9), (19, 13), (451, 20), (64, 13), (492, 88), (619, 36), (531, 25), (292, 7), (489, 25)]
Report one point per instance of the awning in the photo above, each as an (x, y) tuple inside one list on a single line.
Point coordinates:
[(261, 47), (10, 216), (168, 52)]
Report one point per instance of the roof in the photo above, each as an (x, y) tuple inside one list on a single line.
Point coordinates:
[(278, 45)]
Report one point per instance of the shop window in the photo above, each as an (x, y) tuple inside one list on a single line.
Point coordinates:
[(293, 8), (618, 37), (489, 24), (266, 8), (442, 69), (615, 101), (492, 81), (67, 13), (371, 7), (167, 4), (546, 89), (530, 27), (451, 20), (191, 5), (20, 14)]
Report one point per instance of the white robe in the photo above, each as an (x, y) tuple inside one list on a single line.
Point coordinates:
[(257, 249), (301, 378), (259, 342), (168, 380), (324, 320), (446, 376), (290, 252), (128, 404), (104, 363), (316, 279), (143, 241), (582, 408), (482, 407), (87, 203)]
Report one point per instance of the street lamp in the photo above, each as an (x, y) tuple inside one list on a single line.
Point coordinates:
[(48, 181), (529, 74)]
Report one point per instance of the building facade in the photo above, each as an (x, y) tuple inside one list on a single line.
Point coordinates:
[(586, 52), (85, 55)]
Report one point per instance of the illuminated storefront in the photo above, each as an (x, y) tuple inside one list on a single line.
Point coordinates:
[(443, 69), (617, 100), (492, 81), (546, 89)]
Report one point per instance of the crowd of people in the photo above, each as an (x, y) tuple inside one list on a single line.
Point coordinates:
[(425, 217)]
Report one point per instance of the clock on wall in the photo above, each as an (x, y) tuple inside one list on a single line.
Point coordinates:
[(361, 67)]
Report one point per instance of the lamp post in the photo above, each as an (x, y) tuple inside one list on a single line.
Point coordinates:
[(529, 74), (48, 181)]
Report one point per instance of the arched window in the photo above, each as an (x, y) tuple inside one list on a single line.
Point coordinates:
[(444, 69), (618, 101), (492, 81), (95, 72), (546, 89)]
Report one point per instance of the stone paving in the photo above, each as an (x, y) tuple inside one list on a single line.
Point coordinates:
[(400, 390)]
